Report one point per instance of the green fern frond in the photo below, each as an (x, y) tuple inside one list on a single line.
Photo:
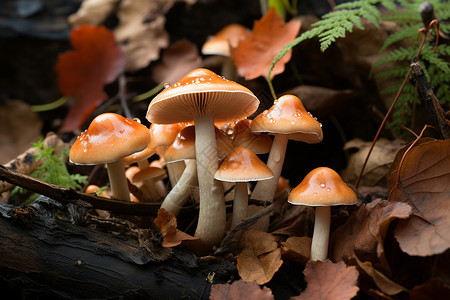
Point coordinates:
[(397, 55), (400, 35)]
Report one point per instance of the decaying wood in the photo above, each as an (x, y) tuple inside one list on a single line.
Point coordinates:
[(42, 256)]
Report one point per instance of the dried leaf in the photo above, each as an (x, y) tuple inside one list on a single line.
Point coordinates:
[(254, 54), (177, 60), (240, 290), (386, 285), (167, 224), (83, 72), (424, 183), (432, 290), (364, 232), (260, 257), (92, 12), (141, 30), (297, 249), (329, 281)]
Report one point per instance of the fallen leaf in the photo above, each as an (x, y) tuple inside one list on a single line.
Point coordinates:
[(424, 184), (92, 12), (83, 72), (254, 54), (177, 60), (329, 281), (433, 289), (240, 290), (19, 127), (167, 224), (378, 165), (386, 285), (260, 257), (364, 231), (297, 249), (141, 30)]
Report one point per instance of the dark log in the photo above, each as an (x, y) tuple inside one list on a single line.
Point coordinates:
[(43, 256)]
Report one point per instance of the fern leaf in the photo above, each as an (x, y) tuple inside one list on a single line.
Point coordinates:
[(408, 32)]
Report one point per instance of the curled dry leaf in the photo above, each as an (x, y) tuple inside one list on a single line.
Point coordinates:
[(297, 249), (92, 12), (240, 290), (423, 183), (141, 30), (177, 60), (260, 257), (83, 72), (254, 54), (167, 224), (329, 281), (363, 233)]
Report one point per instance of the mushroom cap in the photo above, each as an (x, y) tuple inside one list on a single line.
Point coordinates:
[(153, 173), (164, 134), (289, 116), (322, 187), (109, 138), (202, 93), (183, 147), (242, 165), (243, 136), (219, 44)]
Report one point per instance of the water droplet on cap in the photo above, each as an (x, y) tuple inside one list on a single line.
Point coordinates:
[(166, 85), (322, 185)]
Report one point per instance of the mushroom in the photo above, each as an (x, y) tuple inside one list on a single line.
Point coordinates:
[(243, 136), (203, 96), (242, 166), (109, 138), (150, 176), (286, 119), (323, 188)]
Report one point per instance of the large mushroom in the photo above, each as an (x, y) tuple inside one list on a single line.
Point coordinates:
[(109, 138), (322, 188), (203, 96)]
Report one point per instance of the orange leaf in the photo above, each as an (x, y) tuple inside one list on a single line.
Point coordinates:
[(424, 183), (260, 257), (254, 54), (167, 224), (240, 290), (83, 72), (329, 281)]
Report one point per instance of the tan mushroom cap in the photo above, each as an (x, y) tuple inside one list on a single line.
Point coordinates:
[(153, 173), (219, 44), (164, 134), (322, 187), (243, 136), (289, 116), (242, 165), (183, 147), (139, 156), (202, 93), (109, 137)]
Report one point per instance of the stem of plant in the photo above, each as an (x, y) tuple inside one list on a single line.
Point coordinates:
[(321, 234)]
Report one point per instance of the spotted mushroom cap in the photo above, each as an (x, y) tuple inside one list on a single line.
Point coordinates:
[(322, 187), (202, 93), (109, 137), (289, 116), (242, 165)]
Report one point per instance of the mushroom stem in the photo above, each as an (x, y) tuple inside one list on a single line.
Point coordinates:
[(321, 234), (180, 192), (118, 181), (148, 185), (265, 189), (240, 204), (212, 214)]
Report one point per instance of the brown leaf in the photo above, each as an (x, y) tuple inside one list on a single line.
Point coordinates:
[(364, 232), (92, 12), (177, 60), (260, 257), (329, 281), (83, 72), (167, 224), (424, 183), (386, 285), (240, 290), (141, 30), (254, 54), (433, 289), (297, 249)]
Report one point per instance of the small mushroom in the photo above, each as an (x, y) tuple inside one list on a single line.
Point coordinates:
[(323, 188)]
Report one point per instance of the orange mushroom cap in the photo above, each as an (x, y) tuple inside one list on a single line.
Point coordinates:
[(242, 165), (109, 137), (219, 44), (289, 116), (243, 136), (322, 187), (153, 173), (202, 93)]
